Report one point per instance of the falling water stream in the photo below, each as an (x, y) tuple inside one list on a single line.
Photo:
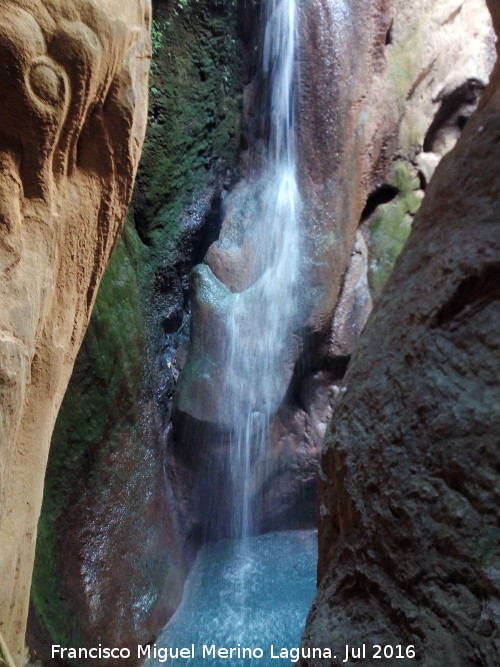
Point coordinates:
[(254, 591), (260, 319)]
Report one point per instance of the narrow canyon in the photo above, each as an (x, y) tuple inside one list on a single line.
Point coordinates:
[(249, 333)]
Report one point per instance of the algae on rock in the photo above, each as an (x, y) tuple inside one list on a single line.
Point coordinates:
[(390, 225), (102, 539)]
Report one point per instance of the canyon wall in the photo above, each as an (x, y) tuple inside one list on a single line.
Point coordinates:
[(374, 117), (112, 486), (408, 493), (385, 90), (72, 123)]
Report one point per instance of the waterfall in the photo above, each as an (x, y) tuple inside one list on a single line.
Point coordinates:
[(260, 319), (255, 589)]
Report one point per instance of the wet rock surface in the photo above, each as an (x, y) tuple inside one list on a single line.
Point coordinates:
[(374, 81), (408, 494)]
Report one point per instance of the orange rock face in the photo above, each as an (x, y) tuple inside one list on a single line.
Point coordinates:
[(72, 121)]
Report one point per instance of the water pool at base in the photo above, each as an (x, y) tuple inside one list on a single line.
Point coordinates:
[(254, 592)]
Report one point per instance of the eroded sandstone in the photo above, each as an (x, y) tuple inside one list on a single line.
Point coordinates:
[(72, 126)]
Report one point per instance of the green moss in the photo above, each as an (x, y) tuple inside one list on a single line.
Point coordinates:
[(194, 112), (98, 449), (109, 363), (404, 57), (405, 178), (403, 64), (391, 226)]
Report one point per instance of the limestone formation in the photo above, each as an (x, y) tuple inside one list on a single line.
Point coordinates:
[(73, 112), (409, 543), (373, 78)]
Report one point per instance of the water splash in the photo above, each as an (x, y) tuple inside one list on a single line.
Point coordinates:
[(260, 319), (255, 598)]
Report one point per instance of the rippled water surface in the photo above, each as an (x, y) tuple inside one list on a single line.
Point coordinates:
[(254, 592)]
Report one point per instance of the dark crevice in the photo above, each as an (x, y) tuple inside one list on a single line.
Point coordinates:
[(422, 180), (210, 229), (462, 101), (388, 35), (472, 293), (314, 358), (382, 195), (142, 230)]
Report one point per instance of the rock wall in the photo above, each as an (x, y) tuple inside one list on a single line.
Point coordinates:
[(112, 487), (375, 78), (72, 128), (374, 82), (408, 494)]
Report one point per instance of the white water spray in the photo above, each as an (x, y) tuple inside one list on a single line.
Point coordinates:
[(260, 319)]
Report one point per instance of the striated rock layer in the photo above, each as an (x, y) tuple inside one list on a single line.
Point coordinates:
[(72, 127), (409, 539)]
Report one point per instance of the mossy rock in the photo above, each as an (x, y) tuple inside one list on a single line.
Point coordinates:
[(101, 453), (109, 365), (195, 109), (390, 226)]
